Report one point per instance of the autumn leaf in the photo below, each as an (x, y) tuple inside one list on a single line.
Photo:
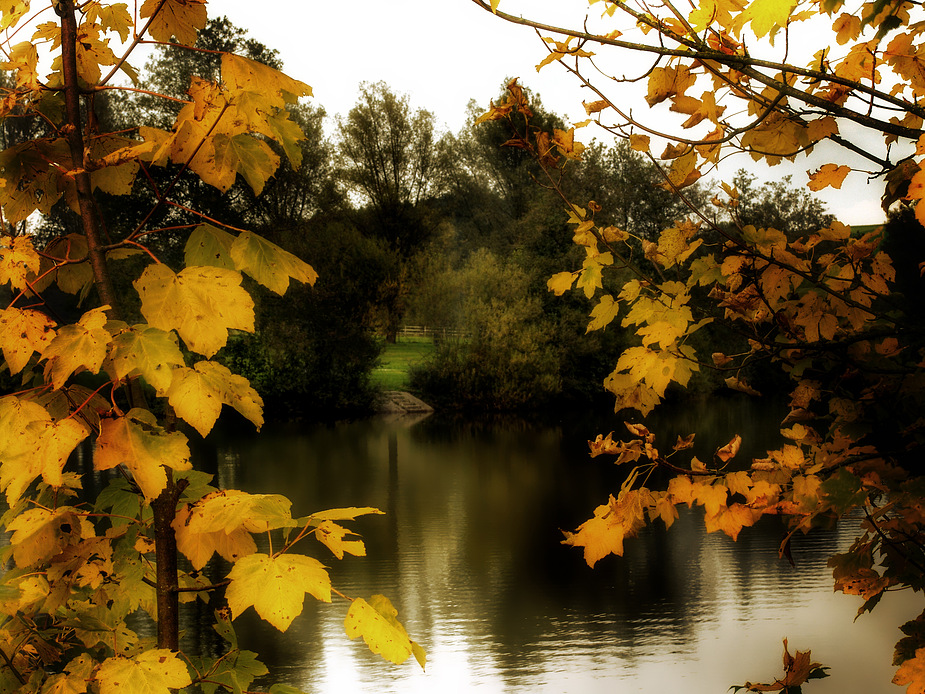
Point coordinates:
[(197, 395), (828, 175), (731, 519), (157, 671), (269, 264), (39, 534), (604, 313), (201, 303), (333, 536), (147, 352), (276, 586), (765, 16), (612, 522), (208, 245), (22, 333), (19, 261), (561, 282), (912, 673), (729, 451), (797, 670), (230, 509), (82, 345), (137, 442), (376, 621), (199, 546), (175, 18), (348, 513)]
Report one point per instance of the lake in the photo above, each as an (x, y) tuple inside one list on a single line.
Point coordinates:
[(469, 552)]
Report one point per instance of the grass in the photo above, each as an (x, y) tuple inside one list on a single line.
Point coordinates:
[(396, 361)]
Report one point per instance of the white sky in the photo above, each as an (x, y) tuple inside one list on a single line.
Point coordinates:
[(442, 53)]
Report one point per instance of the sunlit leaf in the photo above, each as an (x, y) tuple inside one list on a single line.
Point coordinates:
[(276, 586), (376, 621), (137, 442)]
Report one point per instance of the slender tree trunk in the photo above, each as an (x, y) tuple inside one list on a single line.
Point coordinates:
[(73, 132), (165, 506)]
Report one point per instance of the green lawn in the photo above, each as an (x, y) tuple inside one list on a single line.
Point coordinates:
[(397, 360)]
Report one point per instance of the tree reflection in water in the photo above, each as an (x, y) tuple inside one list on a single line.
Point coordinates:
[(470, 554)]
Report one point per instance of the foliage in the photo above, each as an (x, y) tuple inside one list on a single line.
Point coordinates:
[(80, 566), (816, 301), (389, 158), (506, 359)]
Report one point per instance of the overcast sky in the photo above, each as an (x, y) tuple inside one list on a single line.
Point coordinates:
[(442, 53)]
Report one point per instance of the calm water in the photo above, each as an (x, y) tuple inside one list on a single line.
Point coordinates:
[(469, 553)]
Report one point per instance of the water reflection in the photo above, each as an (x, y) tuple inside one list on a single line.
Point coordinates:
[(470, 554)]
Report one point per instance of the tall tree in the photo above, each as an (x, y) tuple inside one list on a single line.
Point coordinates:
[(389, 159)]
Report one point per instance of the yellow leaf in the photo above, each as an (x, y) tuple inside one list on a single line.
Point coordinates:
[(198, 547), (828, 175), (200, 303), (640, 143), (604, 313), (242, 75), (82, 345), (376, 621), (175, 18), (228, 510), (766, 16), (137, 442), (269, 264), (157, 671), (198, 394), (22, 333), (731, 520), (19, 261), (711, 496), (40, 533), (276, 586), (561, 282), (612, 522), (348, 513), (332, 535)]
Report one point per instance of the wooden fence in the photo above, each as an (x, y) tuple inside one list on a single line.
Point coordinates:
[(437, 333)]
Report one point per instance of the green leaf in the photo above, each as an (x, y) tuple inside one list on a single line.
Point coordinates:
[(198, 394), (249, 156), (843, 491), (376, 622), (276, 586), (209, 246), (200, 303), (269, 264), (152, 672), (137, 442)]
